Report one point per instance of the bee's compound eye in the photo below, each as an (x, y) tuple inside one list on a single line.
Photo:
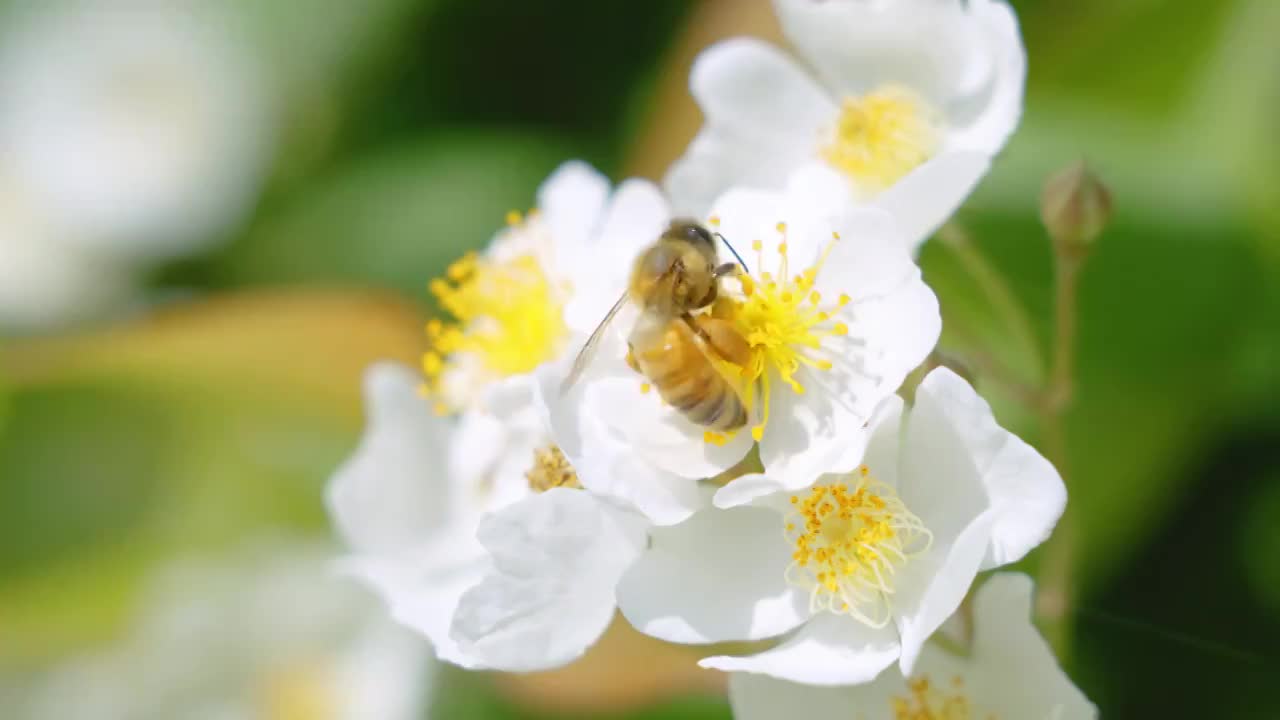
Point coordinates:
[(691, 231)]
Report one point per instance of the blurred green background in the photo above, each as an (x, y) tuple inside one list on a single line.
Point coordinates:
[(407, 128)]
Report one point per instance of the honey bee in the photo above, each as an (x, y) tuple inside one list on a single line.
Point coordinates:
[(676, 350)]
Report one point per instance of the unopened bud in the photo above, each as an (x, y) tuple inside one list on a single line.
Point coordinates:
[(1075, 207)]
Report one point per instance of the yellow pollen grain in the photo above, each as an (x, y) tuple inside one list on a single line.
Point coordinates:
[(714, 221), (514, 218), (881, 136), (645, 388), (551, 469), (849, 539)]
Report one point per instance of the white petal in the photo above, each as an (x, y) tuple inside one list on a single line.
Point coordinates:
[(635, 216), (557, 558), (421, 588), (884, 447), (1013, 672), (1001, 107), (810, 434), (604, 464), (717, 577), (392, 491), (759, 697), (828, 650), (929, 588), (1024, 490), (570, 202), (931, 47), (926, 197), (893, 324), (763, 115), (751, 89), (384, 673), (657, 432)]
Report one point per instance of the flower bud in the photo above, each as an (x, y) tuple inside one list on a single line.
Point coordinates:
[(1075, 207)]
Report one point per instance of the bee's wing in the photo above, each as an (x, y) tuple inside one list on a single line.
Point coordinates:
[(588, 350)]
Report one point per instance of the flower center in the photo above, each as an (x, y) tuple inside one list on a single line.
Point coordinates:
[(303, 691), (881, 136), (850, 538), (784, 321), (926, 701), (551, 469), (507, 321)]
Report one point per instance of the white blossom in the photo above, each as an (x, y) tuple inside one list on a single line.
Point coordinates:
[(907, 99), (270, 634), (139, 127), (1008, 672), (859, 568), (836, 315)]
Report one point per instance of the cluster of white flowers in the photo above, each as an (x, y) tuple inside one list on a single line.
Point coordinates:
[(509, 518)]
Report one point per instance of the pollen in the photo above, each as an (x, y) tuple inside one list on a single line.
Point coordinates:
[(551, 469), (925, 700), (881, 136), (785, 321), (506, 320), (299, 691), (850, 538)]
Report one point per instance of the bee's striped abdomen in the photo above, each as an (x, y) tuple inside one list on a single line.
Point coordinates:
[(685, 377)]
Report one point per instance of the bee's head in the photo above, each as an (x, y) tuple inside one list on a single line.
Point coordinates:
[(693, 233)]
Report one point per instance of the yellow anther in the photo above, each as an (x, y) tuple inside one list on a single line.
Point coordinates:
[(881, 136), (714, 221), (514, 217), (507, 320), (850, 538), (551, 469), (781, 227)]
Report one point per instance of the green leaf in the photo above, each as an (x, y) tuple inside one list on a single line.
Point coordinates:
[(397, 219)]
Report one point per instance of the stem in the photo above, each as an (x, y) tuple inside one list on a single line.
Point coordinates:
[(1057, 597), (997, 290)]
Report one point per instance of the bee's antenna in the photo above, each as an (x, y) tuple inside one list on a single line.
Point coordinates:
[(735, 252)]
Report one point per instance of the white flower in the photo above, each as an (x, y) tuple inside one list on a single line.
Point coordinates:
[(908, 99), (139, 126), (272, 635), (543, 281), (1009, 672), (44, 278), (411, 498), (836, 315), (863, 567), (556, 561), (407, 503), (502, 563)]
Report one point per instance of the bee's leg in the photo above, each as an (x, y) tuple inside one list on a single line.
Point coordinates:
[(721, 336)]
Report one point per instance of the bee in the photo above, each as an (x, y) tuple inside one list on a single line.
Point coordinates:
[(677, 351)]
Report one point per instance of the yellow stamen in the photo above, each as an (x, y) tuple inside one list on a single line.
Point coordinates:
[(850, 537), (507, 321), (926, 701), (882, 136), (551, 469), (783, 319)]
